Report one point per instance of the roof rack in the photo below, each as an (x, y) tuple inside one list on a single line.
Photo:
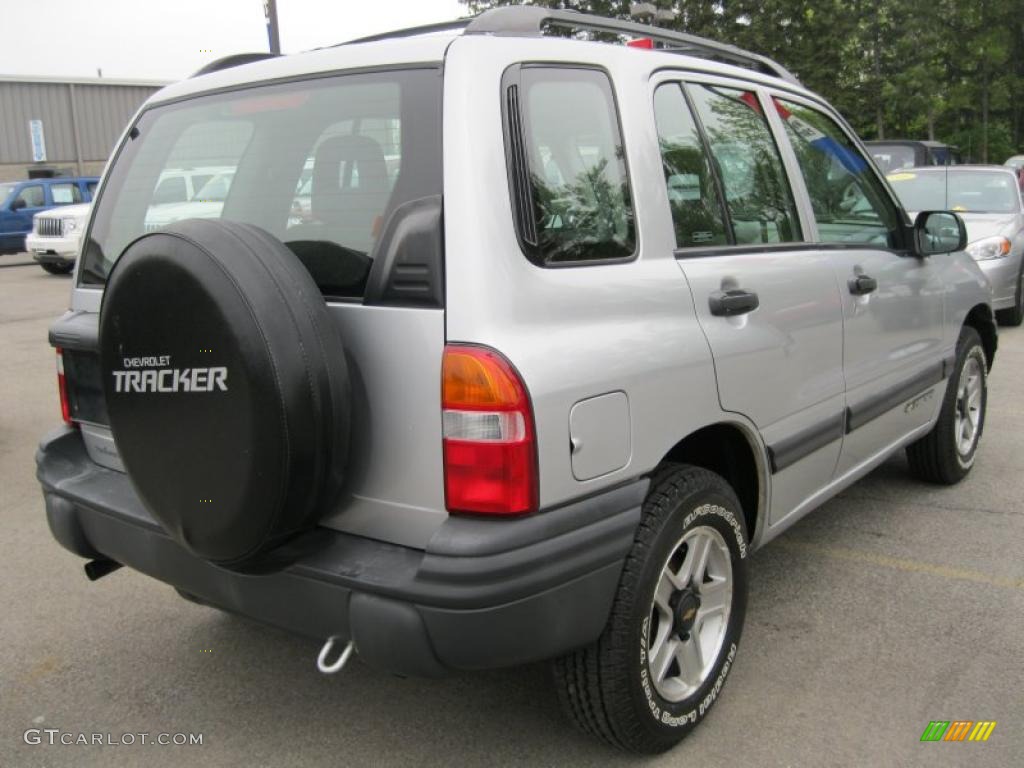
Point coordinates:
[(530, 21), (426, 29), (234, 60)]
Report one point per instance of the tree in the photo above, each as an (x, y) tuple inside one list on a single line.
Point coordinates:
[(937, 69)]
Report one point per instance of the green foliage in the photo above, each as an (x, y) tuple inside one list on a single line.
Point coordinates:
[(941, 69)]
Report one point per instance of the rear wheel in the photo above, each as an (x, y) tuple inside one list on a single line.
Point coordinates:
[(946, 454), (672, 635), (55, 268), (1014, 316)]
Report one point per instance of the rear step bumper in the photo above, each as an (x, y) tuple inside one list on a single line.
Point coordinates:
[(484, 593)]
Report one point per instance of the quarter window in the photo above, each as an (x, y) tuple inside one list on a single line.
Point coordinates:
[(65, 194), (849, 202), (570, 187), (757, 193)]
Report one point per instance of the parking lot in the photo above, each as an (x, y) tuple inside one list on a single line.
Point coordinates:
[(893, 605)]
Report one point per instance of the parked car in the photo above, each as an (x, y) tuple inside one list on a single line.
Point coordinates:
[(1017, 164), (894, 154), (56, 237), (21, 200), (990, 201), (671, 306), (206, 203)]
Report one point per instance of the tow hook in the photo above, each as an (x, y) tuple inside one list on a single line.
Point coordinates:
[(97, 569), (342, 660)]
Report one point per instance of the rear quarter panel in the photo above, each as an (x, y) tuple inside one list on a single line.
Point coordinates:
[(572, 332)]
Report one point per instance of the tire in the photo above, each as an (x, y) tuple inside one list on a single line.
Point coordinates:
[(58, 269), (608, 688), (235, 428), (1014, 316), (944, 456)]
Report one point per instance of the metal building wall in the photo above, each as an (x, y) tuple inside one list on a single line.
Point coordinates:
[(100, 111)]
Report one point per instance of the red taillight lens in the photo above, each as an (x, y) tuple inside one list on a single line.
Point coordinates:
[(62, 388), (641, 42), (490, 453)]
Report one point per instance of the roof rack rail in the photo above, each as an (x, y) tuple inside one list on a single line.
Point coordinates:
[(426, 29), (530, 20), (234, 60)]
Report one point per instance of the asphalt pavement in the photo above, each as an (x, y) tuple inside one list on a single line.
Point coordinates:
[(893, 605)]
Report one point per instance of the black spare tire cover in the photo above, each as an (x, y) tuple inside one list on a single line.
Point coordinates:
[(227, 388)]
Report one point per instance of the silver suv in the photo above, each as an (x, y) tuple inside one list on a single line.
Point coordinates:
[(568, 329)]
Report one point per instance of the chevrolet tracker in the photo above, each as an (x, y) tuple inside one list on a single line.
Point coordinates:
[(490, 346)]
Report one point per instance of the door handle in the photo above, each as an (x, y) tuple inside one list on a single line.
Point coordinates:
[(732, 302), (862, 285)]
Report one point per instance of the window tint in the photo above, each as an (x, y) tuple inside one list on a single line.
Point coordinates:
[(757, 193), (90, 188), (65, 194), (692, 194), (33, 197), (578, 202), (320, 165), (850, 204)]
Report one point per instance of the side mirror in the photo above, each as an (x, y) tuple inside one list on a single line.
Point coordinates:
[(18, 204), (938, 232)]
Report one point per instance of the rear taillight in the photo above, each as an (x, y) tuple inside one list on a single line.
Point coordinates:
[(62, 388), (490, 454)]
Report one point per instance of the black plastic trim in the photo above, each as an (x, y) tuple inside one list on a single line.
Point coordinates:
[(772, 248), (484, 594), (470, 562), (789, 451), (870, 409), (79, 331)]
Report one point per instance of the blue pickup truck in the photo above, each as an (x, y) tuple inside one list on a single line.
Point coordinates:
[(21, 200)]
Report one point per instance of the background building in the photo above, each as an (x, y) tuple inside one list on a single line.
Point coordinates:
[(65, 126)]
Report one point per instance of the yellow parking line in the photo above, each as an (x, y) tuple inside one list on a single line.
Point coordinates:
[(899, 563)]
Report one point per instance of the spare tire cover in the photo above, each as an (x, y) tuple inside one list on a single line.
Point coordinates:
[(227, 387)]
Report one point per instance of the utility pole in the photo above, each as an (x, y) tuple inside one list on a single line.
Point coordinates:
[(270, 11)]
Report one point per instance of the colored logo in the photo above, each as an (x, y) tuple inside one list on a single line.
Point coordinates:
[(958, 730)]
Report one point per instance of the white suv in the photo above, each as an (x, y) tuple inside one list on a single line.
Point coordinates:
[(56, 237)]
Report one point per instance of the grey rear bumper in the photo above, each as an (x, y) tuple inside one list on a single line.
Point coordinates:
[(484, 593)]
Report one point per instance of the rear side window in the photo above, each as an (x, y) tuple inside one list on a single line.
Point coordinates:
[(757, 193), (65, 194), (567, 165), (320, 164)]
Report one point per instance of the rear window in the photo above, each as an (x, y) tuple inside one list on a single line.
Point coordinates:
[(892, 157), (319, 164)]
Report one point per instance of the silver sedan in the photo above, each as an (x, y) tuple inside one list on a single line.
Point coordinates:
[(989, 199)]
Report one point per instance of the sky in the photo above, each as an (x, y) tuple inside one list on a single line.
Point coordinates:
[(171, 39)]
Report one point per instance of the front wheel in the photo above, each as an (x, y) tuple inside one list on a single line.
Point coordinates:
[(946, 454), (58, 268), (675, 623)]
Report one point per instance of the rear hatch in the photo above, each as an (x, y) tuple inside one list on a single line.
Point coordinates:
[(345, 169)]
